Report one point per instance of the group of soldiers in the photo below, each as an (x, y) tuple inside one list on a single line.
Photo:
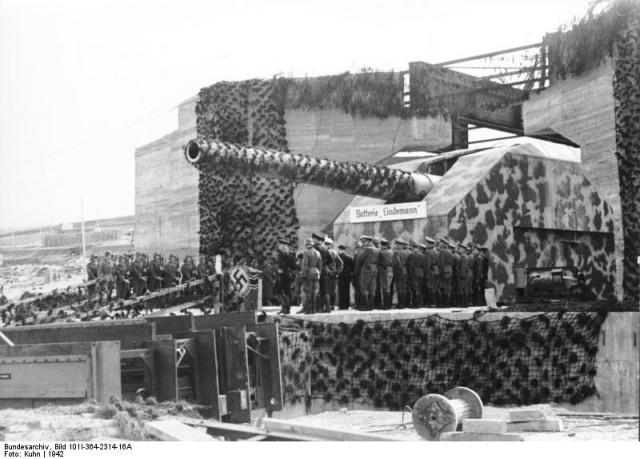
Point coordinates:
[(434, 274), (134, 275)]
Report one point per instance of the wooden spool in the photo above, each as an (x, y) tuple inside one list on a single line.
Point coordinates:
[(435, 414)]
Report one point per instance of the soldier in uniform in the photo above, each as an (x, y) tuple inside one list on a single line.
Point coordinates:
[(311, 271), (170, 278), (415, 273), (400, 255), (462, 276), (105, 274), (138, 280), (122, 283), (485, 272), (431, 273), (476, 268), (385, 272), (154, 274), (455, 265), (332, 273), (356, 287), (188, 269), (445, 265), (366, 272), (286, 271), (345, 278), (92, 274), (320, 303)]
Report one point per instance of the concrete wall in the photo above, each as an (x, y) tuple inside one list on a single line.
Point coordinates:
[(167, 218), (582, 109), (617, 362)]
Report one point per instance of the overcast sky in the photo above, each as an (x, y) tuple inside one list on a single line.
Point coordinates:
[(83, 83)]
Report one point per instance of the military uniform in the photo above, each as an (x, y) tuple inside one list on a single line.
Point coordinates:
[(431, 273), (367, 272), (477, 287), (344, 279), (333, 271), (105, 274), (321, 301), (311, 272), (170, 278), (400, 255), (154, 278), (92, 275), (455, 287), (138, 281), (415, 273), (286, 270), (385, 273), (445, 265), (122, 283), (462, 277)]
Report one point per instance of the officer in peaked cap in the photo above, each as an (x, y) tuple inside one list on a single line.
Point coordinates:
[(345, 278), (385, 275), (431, 273), (366, 272), (286, 270), (376, 242), (333, 271), (400, 256), (415, 275), (485, 270), (463, 276), (311, 268), (321, 303), (445, 265), (476, 270), (455, 298)]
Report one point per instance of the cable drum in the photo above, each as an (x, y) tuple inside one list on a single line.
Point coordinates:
[(436, 414)]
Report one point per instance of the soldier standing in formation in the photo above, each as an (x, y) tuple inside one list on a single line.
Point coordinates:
[(462, 276), (400, 255), (311, 271), (455, 273), (385, 273), (105, 274), (477, 269), (345, 278), (366, 272), (170, 278), (92, 274), (356, 282), (188, 269), (445, 264), (431, 273), (415, 273), (122, 283), (320, 303), (138, 280), (286, 269), (333, 271)]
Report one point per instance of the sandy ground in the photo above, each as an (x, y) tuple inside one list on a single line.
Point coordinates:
[(77, 423), (576, 426)]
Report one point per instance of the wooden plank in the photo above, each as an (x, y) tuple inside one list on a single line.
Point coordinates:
[(130, 332), (166, 378), (278, 425), (242, 432), (546, 425), (526, 415), (495, 426), (105, 365), (474, 436), (272, 368), (206, 371), (229, 319), (170, 430), (171, 324), (232, 358)]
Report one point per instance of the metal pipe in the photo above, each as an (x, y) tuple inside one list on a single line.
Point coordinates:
[(351, 177)]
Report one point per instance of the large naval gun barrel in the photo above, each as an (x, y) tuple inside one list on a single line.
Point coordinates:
[(362, 179)]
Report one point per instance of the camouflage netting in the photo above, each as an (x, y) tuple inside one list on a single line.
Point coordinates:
[(626, 93), (539, 359), (239, 214)]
